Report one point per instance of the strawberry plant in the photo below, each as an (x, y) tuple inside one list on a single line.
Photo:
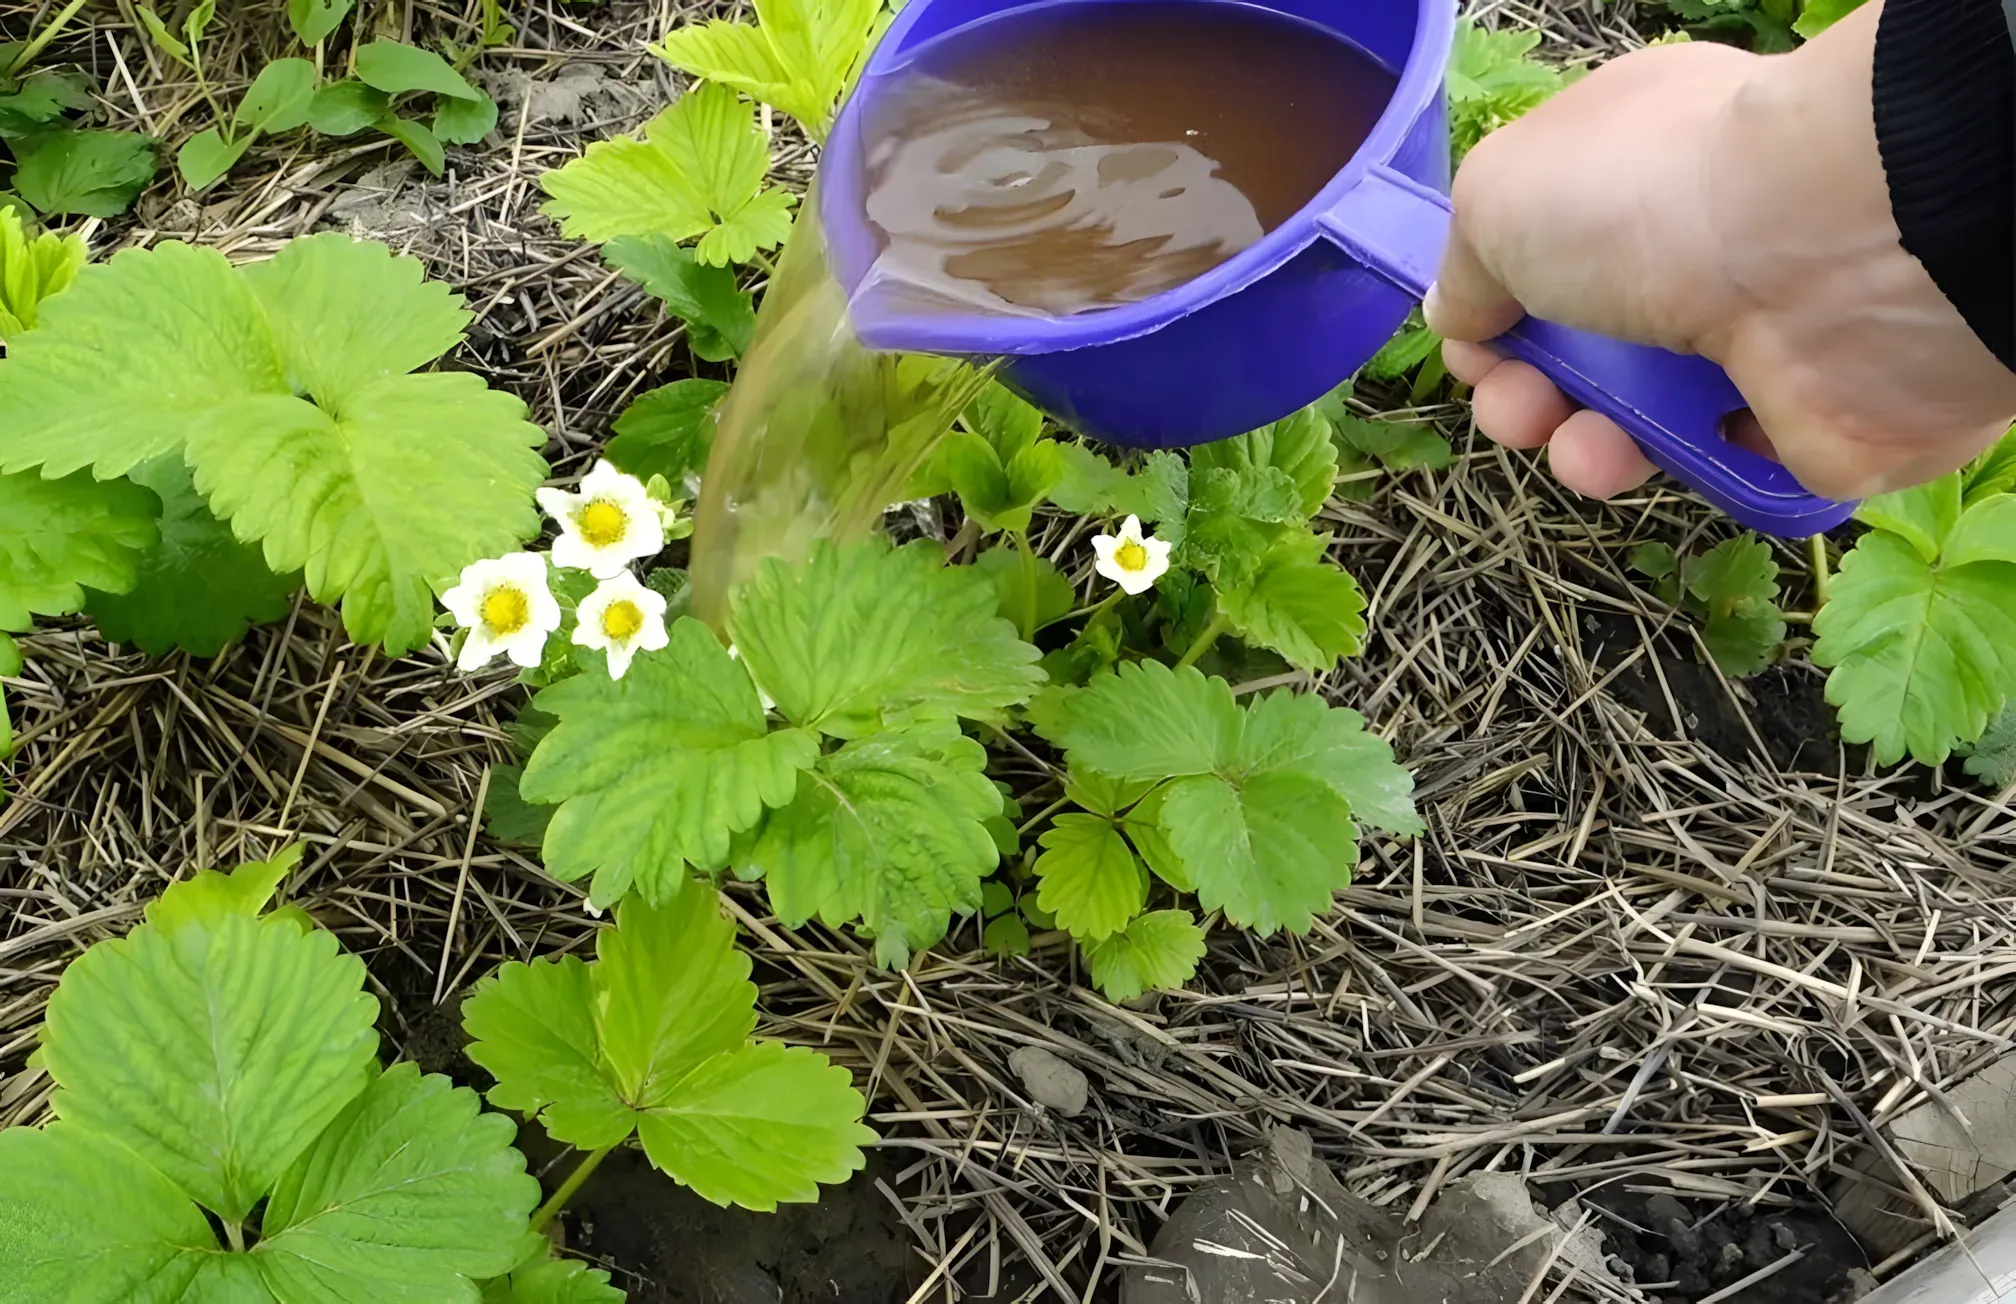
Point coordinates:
[(651, 1039), (1732, 589), (59, 168), (223, 1127), (290, 393), (799, 56)]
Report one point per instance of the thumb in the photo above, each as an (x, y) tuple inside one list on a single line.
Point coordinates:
[(1467, 302)]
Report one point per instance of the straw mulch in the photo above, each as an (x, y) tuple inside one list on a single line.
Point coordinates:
[(1662, 932)]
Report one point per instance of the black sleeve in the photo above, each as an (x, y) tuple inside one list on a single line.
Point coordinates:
[(1946, 126)]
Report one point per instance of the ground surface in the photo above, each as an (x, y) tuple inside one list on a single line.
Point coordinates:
[(1649, 902)]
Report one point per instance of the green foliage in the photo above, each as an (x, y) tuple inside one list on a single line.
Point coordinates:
[(1773, 26), (314, 21), (1492, 80), (1259, 805), (1395, 446), (653, 1038), (1993, 759), (291, 388), (1028, 589), (1158, 950), (198, 588), (698, 173), (31, 270), (720, 317), (220, 1059), (1732, 589), (1920, 629), (83, 173), (866, 637), (798, 57), (657, 770), (278, 100), (1091, 882), (57, 536), (667, 431), (553, 1281), (998, 462)]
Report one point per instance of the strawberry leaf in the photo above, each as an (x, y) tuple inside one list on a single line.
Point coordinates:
[(59, 535), (799, 57), (698, 172), (1090, 879), (1298, 604), (1920, 630), (31, 270), (890, 830), (668, 431), (553, 1281), (658, 769), (1158, 950), (1260, 811), (1735, 587), (720, 317), (864, 635)]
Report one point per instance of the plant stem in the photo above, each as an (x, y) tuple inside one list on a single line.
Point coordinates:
[(1822, 574), (582, 1171), (234, 1234), (41, 41), (1205, 639), (1098, 608)]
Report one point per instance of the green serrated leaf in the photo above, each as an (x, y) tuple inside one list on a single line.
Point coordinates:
[(38, 102), (214, 1051), (1816, 16), (889, 830), (1923, 650), (84, 1218), (1091, 882), (1300, 605), (799, 57), (278, 98), (668, 431), (1158, 950), (84, 173), (1993, 759), (1029, 590), (669, 1005), (1921, 516), (57, 536), (1102, 794), (198, 589), (345, 108), (1399, 356), (1654, 560), (398, 69), (866, 634), (534, 1031), (411, 1196), (553, 1281), (210, 895), (697, 173), (660, 768), (32, 269), (1735, 586), (212, 362), (1994, 472), (1298, 446), (1260, 813), (1144, 829), (1492, 80), (1395, 445), (720, 317)]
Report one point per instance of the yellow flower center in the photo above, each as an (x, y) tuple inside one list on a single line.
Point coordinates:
[(1130, 556), (602, 523), (506, 610), (621, 620)]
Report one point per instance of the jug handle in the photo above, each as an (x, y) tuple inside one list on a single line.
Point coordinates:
[(1672, 405)]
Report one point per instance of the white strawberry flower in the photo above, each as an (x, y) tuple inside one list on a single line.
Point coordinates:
[(622, 618), (506, 605), (1131, 559), (611, 522)]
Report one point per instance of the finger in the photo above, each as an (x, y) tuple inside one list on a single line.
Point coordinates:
[(1592, 455), (1467, 302), (1518, 407), (1469, 363)]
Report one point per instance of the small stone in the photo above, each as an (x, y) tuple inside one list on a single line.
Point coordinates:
[(1050, 1081)]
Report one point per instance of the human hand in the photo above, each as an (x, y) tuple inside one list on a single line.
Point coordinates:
[(1712, 201)]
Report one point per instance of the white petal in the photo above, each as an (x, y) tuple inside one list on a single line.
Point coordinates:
[(1130, 529), (572, 552), (1134, 582), (477, 652), (620, 655), (605, 481), (1104, 546), (527, 647), (1158, 554), (463, 602), (652, 637), (558, 504)]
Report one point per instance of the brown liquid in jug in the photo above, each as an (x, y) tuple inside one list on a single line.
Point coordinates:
[(1098, 154)]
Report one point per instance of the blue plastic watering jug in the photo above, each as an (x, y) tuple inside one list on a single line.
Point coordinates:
[(1283, 322)]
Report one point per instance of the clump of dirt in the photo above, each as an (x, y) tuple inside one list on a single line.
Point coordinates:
[(669, 1246), (1678, 1256)]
